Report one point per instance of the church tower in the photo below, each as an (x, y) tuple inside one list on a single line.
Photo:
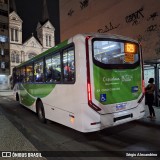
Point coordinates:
[(45, 30)]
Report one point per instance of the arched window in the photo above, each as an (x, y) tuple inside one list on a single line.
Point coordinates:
[(17, 58), (13, 57), (48, 40), (14, 34), (31, 55)]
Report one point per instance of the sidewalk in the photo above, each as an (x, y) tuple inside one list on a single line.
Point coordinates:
[(150, 121), (11, 139), (6, 92)]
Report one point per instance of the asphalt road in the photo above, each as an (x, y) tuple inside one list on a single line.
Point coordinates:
[(126, 138)]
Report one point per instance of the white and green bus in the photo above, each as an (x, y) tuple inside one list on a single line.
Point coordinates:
[(88, 82)]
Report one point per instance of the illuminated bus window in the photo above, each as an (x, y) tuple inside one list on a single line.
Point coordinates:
[(22, 75), (53, 68), (38, 71), (69, 66), (29, 73), (112, 52), (56, 66)]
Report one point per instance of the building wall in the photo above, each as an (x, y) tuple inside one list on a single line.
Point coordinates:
[(4, 45), (138, 19), (23, 51)]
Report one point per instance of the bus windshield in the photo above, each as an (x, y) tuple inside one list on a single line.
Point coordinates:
[(112, 52)]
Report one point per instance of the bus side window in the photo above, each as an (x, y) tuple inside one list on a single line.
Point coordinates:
[(48, 72), (17, 76), (56, 64), (23, 74), (38, 71), (72, 70), (53, 68), (68, 64), (29, 73)]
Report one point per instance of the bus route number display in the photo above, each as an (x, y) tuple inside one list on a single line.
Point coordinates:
[(130, 48)]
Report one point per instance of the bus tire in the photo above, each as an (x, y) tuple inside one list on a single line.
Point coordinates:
[(17, 97), (40, 112)]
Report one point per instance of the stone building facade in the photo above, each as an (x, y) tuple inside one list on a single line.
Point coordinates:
[(23, 51)]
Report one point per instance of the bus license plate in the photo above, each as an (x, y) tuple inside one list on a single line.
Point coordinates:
[(120, 106)]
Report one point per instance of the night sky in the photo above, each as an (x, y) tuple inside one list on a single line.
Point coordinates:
[(30, 11)]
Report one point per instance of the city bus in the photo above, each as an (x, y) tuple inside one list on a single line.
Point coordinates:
[(88, 82)]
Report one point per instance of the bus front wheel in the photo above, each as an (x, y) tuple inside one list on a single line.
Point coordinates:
[(17, 97), (40, 112)]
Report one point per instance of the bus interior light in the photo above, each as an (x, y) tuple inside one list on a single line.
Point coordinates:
[(111, 46)]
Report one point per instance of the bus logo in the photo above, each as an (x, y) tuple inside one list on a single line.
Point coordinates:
[(126, 78), (103, 97)]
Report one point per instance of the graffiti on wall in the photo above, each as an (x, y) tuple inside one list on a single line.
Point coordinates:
[(153, 27), (108, 28), (84, 4), (143, 22), (152, 16), (71, 11), (149, 37), (135, 17)]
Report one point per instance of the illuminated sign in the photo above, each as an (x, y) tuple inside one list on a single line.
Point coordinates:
[(3, 38), (130, 48), (129, 57)]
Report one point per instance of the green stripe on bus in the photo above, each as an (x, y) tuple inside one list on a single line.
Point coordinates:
[(39, 90), (26, 98), (30, 92)]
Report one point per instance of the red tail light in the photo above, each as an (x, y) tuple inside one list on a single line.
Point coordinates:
[(93, 106), (143, 86), (89, 92)]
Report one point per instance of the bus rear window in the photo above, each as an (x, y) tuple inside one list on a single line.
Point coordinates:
[(109, 52)]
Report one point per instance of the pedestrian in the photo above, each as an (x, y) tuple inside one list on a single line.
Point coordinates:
[(150, 97)]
